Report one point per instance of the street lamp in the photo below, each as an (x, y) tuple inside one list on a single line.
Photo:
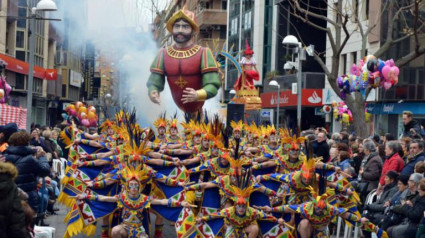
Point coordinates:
[(43, 5), (291, 40), (274, 83)]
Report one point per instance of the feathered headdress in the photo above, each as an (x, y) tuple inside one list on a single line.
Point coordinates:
[(161, 121), (319, 201), (237, 126), (173, 123), (187, 125), (139, 173), (214, 132), (290, 140), (308, 168), (106, 125), (243, 188)]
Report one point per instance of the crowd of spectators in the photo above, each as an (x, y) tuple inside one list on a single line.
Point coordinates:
[(391, 167), (27, 181)]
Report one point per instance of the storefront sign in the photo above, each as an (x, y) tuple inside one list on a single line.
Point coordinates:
[(22, 67), (75, 79), (396, 108), (310, 97)]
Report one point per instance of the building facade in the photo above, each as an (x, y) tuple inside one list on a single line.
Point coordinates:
[(55, 48), (386, 105)]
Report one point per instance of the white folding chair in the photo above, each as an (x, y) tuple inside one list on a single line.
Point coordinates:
[(44, 232)]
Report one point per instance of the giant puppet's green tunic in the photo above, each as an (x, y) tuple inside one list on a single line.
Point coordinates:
[(192, 67)]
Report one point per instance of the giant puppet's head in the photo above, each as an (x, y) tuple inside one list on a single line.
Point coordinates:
[(182, 25)]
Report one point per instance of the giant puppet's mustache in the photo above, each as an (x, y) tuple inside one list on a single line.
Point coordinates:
[(180, 37)]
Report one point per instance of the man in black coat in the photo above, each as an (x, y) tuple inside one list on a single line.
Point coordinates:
[(321, 147), (412, 128), (29, 166)]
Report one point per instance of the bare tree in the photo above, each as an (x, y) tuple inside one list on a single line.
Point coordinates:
[(340, 29)]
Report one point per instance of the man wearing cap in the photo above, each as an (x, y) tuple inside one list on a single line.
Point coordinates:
[(5, 132), (191, 70)]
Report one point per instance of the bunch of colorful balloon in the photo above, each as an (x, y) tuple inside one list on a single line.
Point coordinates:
[(86, 114), (4, 89), (342, 113), (370, 72)]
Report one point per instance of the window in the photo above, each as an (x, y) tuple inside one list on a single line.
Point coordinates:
[(20, 39), (20, 55), (63, 90), (22, 13), (234, 27), (354, 57), (19, 81), (343, 64), (37, 85), (247, 20), (22, 3), (224, 4)]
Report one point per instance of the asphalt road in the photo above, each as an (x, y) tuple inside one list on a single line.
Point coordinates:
[(56, 221)]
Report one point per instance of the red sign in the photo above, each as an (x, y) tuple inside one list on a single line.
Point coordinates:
[(310, 97), (22, 67), (51, 74)]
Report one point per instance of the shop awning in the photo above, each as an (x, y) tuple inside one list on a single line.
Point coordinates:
[(22, 67)]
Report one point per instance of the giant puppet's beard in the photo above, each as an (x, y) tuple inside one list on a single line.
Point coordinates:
[(181, 37)]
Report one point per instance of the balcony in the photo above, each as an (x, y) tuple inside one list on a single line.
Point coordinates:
[(211, 17)]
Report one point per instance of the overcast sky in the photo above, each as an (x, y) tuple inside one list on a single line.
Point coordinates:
[(122, 13)]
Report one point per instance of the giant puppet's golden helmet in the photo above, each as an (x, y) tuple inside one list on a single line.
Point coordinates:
[(183, 14)]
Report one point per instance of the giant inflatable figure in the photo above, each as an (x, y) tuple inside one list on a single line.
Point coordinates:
[(191, 70)]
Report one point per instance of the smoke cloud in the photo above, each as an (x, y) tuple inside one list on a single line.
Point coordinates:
[(120, 28)]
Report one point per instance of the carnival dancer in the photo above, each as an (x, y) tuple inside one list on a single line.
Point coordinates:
[(133, 202), (290, 160), (317, 215), (249, 71), (241, 220), (192, 84), (298, 182)]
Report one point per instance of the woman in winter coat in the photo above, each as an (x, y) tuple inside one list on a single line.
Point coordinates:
[(393, 162), (30, 164), (376, 209), (12, 218), (413, 211), (371, 166)]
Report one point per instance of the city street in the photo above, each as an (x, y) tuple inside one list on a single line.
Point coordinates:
[(56, 221)]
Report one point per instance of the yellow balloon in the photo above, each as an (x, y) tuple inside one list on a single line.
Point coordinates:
[(91, 115), (82, 109), (1, 93), (368, 57)]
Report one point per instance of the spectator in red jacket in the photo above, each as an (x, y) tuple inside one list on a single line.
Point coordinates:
[(393, 161)]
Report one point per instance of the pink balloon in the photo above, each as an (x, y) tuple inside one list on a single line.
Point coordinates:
[(390, 63), (387, 85), (72, 112), (355, 70), (93, 122), (85, 122)]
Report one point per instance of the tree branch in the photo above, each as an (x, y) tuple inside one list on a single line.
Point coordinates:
[(312, 14), (409, 57), (305, 20), (347, 35)]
